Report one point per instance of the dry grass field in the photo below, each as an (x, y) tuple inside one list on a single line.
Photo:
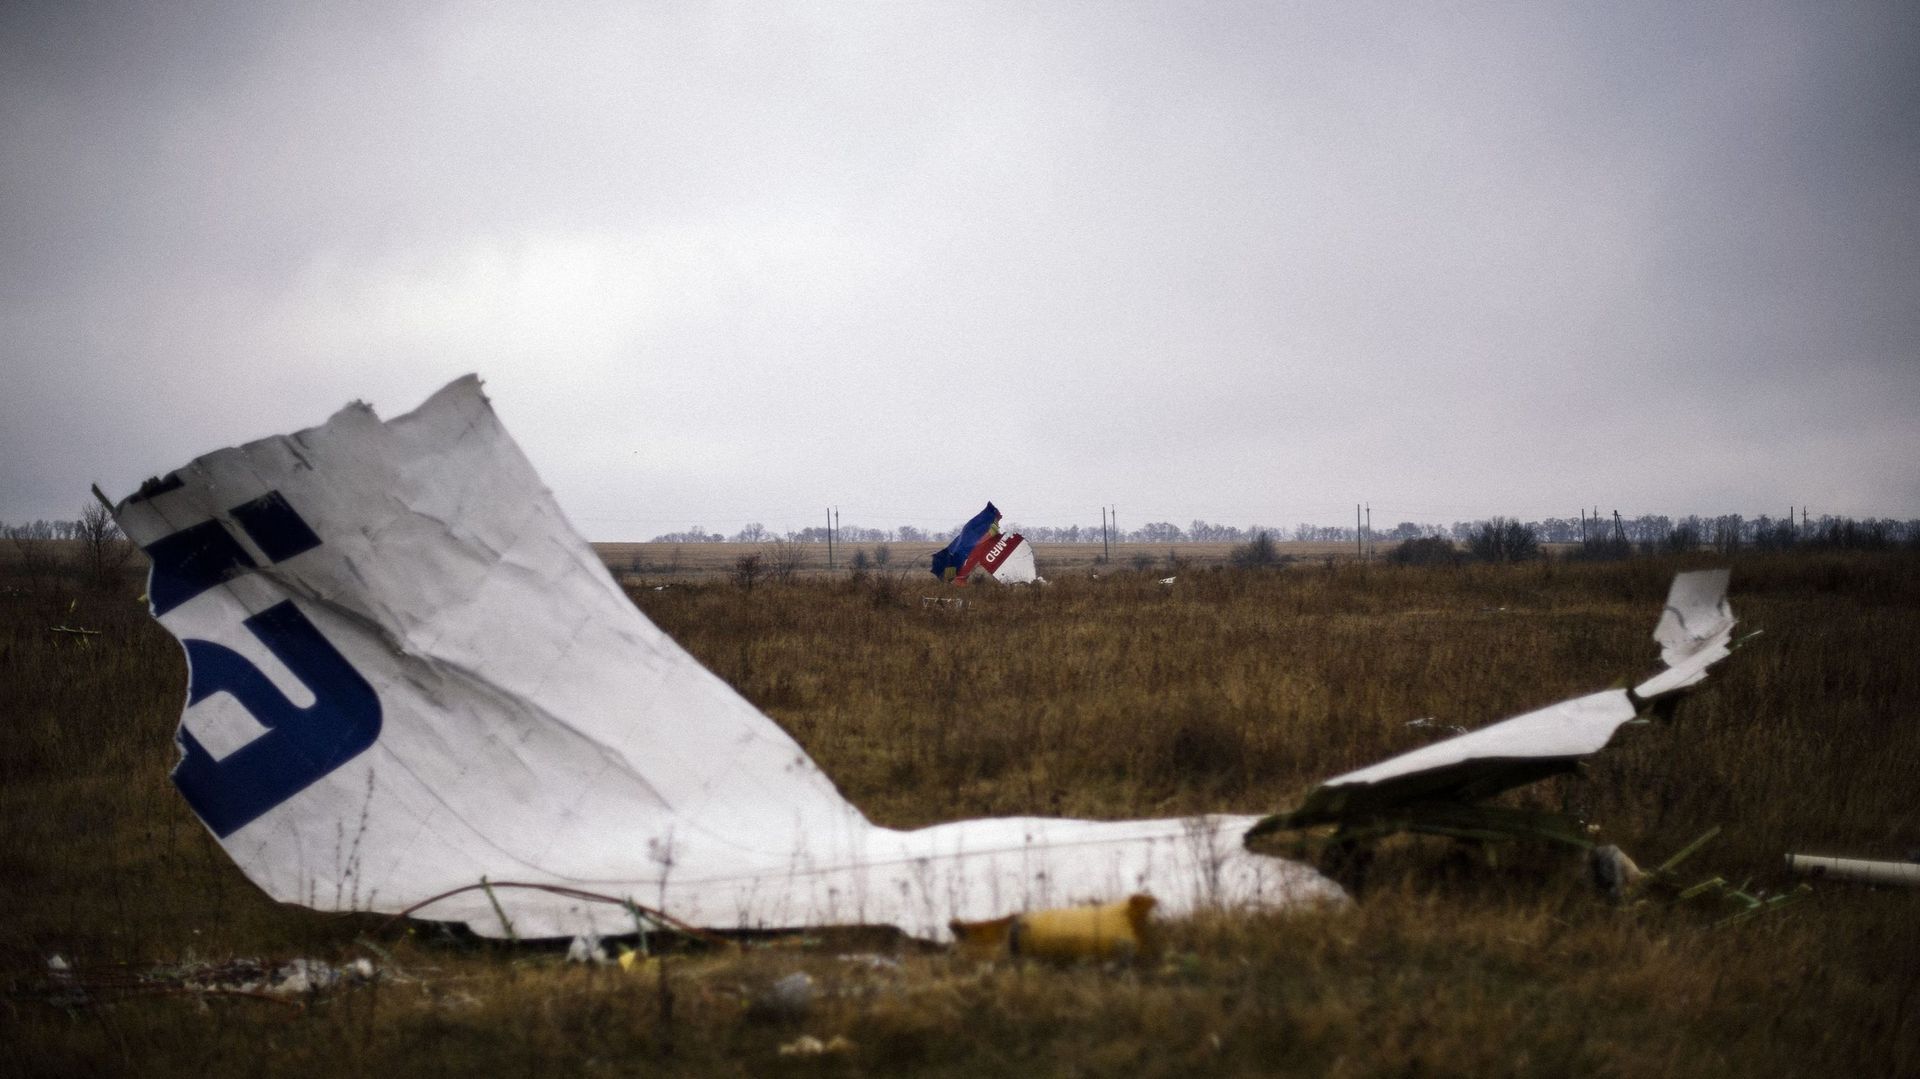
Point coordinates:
[(1115, 697)]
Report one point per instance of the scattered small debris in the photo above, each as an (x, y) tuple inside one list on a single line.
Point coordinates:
[(952, 603), (1430, 723), (790, 997), (806, 1045), (1747, 904), (1168, 580), (300, 977), (281, 983), (587, 948), (1613, 874), (874, 962)]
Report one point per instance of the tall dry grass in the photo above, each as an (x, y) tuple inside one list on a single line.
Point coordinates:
[(1119, 697)]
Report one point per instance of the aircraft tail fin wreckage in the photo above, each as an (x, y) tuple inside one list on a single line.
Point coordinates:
[(412, 684), (980, 548)]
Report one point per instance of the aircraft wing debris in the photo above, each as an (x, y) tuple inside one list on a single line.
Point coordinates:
[(409, 675), (1435, 788), (1696, 616), (1695, 632), (1480, 763)]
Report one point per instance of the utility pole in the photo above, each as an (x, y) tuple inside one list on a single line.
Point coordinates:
[(829, 539), (1583, 524), (1359, 545), (1369, 531), (1106, 551)]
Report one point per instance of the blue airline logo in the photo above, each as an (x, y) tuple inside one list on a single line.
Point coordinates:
[(301, 745)]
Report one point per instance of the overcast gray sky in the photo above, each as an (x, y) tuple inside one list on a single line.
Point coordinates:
[(731, 263)]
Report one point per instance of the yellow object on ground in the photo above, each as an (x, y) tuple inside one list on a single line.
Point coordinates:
[(1119, 930), (635, 963), (982, 940)]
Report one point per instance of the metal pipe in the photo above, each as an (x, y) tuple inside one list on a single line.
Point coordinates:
[(1860, 869)]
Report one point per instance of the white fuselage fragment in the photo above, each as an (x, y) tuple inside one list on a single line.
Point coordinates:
[(410, 673)]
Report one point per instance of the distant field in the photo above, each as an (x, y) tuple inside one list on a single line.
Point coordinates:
[(1117, 697), (669, 561)]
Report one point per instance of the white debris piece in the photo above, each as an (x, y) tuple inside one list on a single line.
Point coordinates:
[(790, 997), (408, 674), (1859, 869), (1015, 565), (1571, 728), (1696, 617), (1695, 631), (587, 948)]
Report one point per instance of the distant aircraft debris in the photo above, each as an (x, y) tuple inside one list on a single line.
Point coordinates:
[(1439, 788), (411, 682), (980, 547)]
